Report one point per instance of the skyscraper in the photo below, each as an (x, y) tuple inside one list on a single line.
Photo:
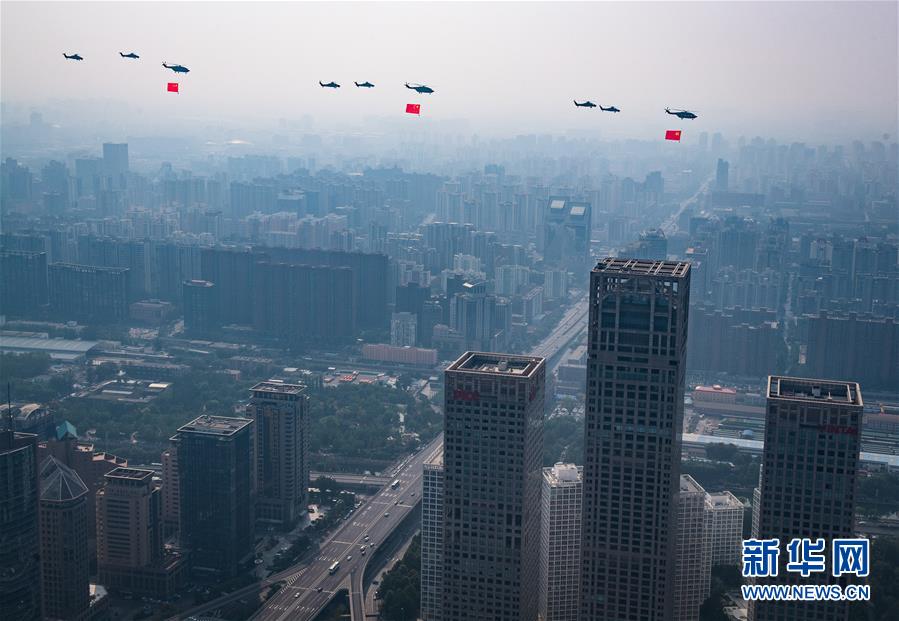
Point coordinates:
[(560, 543), (808, 480), (632, 447), (115, 163), (493, 449), (280, 412), (20, 586), (88, 293), (721, 175), (200, 307), (65, 566), (215, 472), (432, 539), (693, 567), (724, 529)]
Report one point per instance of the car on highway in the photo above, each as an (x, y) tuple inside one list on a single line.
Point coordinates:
[(387, 514), (362, 548), (296, 595), (349, 557), (318, 590)]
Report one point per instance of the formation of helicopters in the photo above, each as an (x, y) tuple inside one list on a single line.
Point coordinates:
[(421, 89)]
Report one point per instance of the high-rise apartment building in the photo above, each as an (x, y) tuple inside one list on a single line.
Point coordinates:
[(23, 282), (432, 539), (115, 163), (130, 554), (693, 568), (634, 416), (65, 565), (808, 481), (724, 529), (201, 308), (403, 329), (280, 412), (493, 448), (88, 293), (560, 543), (20, 585), (215, 472), (171, 490)]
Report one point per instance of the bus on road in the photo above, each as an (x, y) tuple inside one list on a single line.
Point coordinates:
[(333, 568), (395, 484)]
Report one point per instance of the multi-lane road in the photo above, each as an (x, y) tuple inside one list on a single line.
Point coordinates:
[(308, 590)]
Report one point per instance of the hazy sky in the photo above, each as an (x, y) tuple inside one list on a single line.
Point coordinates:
[(806, 70)]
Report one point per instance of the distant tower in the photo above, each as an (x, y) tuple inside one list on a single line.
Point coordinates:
[(64, 555), (808, 481), (721, 175), (725, 529), (493, 448), (115, 163), (282, 444), (20, 584), (560, 543), (215, 471), (692, 577), (432, 539), (632, 448)]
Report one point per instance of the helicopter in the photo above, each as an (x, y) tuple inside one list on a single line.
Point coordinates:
[(609, 109), (128, 55), (176, 68), (73, 56), (329, 84), (586, 104), (420, 88), (364, 84), (682, 114)]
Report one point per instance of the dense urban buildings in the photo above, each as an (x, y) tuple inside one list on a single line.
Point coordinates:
[(20, 588), (65, 565), (493, 447), (432, 540), (281, 423), (560, 543), (632, 448), (808, 482), (215, 474)]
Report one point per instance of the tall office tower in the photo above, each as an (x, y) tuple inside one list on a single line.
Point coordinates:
[(721, 174), (215, 469), (693, 569), (281, 415), (64, 555), (200, 300), (20, 584), (634, 415), (432, 539), (493, 448), (403, 329), (808, 480), (560, 543), (129, 531), (23, 282), (724, 529), (115, 163), (88, 293), (171, 490), (566, 235)]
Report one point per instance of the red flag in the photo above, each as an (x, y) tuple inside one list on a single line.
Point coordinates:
[(173, 87), (672, 134), (413, 108)]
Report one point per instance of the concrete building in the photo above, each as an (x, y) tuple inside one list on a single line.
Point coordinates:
[(130, 554), (200, 307), (20, 586), (403, 329), (216, 474), (432, 540), (693, 567), (808, 482), (566, 234), (88, 293), (724, 529), (560, 543), (171, 490), (493, 447), (632, 448), (65, 565), (281, 416)]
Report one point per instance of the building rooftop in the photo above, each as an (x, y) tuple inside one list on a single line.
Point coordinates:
[(58, 349), (130, 474), (562, 474), (688, 485), (215, 425), (278, 387), (198, 283), (66, 429), (643, 267), (59, 482), (496, 364), (724, 500), (814, 390)]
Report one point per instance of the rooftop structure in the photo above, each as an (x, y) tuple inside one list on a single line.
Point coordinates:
[(643, 267), (216, 425), (496, 364), (814, 390)]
